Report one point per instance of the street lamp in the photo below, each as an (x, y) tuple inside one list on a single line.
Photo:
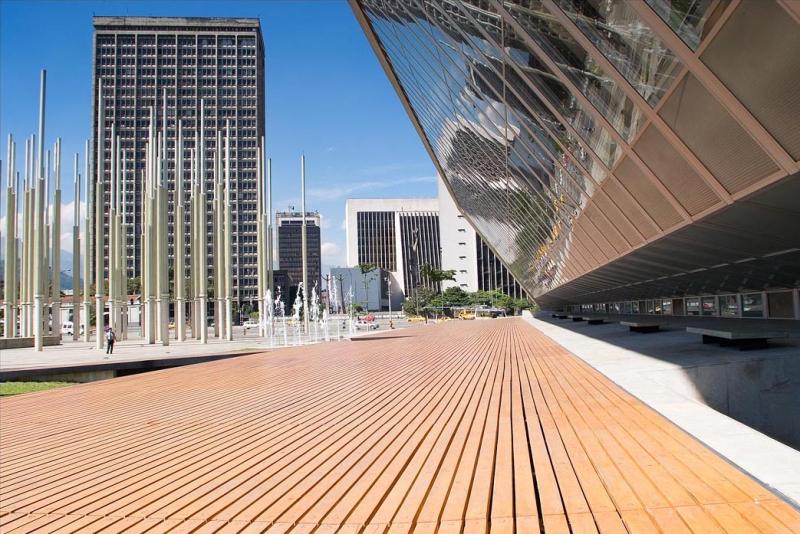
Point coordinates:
[(389, 282)]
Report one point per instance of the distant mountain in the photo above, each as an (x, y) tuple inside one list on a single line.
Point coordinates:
[(66, 272)]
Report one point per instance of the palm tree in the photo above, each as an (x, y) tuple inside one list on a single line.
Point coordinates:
[(365, 269), (437, 276)]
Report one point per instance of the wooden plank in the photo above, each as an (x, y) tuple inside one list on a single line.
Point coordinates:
[(460, 427)]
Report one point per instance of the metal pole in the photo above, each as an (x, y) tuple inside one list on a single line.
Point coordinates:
[(219, 241), (270, 274), (56, 245), (99, 201), (87, 244), (203, 241), (11, 247), (39, 235), (227, 253), (304, 240), (76, 252), (180, 239)]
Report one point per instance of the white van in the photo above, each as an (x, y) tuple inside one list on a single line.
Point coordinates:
[(66, 328)]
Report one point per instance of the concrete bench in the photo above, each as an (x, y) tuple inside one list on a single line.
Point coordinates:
[(642, 328), (743, 339), (594, 320), (575, 318)]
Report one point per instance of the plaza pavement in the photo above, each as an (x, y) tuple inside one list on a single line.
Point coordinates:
[(458, 427)]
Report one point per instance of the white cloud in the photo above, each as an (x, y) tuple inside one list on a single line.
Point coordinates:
[(332, 254), (67, 216), (339, 191), (324, 221)]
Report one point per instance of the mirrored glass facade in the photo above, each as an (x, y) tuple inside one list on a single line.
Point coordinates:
[(606, 149)]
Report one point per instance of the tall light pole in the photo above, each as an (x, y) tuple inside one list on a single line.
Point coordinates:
[(180, 239), (11, 246), (304, 239), (228, 250), (270, 280), (389, 289), (76, 253), (87, 243), (39, 237), (99, 232)]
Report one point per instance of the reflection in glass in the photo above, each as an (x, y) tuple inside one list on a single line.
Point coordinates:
[(627, 42), (690, 19), (729, 306), (752, 305), (709, 305), (577, 65)]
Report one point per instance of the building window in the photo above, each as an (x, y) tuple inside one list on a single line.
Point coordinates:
[(780, 305), (752, 305), (709, 305), (729, 306)]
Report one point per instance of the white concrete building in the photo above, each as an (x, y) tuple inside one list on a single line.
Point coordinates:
[(464, 251), (458, 242), (382, 231), (397, 234)]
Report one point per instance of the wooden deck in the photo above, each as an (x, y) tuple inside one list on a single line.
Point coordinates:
[(468, 426)]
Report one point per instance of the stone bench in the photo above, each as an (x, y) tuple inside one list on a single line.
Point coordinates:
[(594, 320), (743, 339), (642, 328)]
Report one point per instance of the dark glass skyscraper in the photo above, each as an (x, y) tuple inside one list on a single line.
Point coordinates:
[(219, 61), (290, 250), (638, 154)]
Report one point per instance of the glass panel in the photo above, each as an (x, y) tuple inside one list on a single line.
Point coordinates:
[(666, 307), (693, 306), (627, 42), (709, 305), (752, 305), (577, 65), (539, 75), (690, 19), (729, 306), (781, 305), (635, 307)]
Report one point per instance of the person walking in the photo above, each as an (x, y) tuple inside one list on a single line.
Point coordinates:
[(111, 337)]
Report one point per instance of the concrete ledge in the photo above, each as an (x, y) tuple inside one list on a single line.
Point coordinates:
[(102, 371), (27, 342)]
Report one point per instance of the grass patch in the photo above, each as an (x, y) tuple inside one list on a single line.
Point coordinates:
[(16, 388)]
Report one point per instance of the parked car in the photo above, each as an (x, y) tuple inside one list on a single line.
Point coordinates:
[(364, 325), (250, 323)]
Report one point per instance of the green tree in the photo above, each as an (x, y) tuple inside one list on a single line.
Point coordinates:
[(135, 285), (436, 276), (450, 297), (420, 297)]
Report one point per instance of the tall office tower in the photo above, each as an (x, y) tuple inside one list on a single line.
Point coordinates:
[(637, 155), (219, 61), (399, 235), (476, 266), (290, 248)]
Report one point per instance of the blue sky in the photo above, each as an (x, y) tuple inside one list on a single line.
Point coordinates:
[(327, 95)]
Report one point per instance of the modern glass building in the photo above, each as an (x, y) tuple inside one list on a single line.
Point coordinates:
[(218, 61), (614, 153), (289, 231)]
